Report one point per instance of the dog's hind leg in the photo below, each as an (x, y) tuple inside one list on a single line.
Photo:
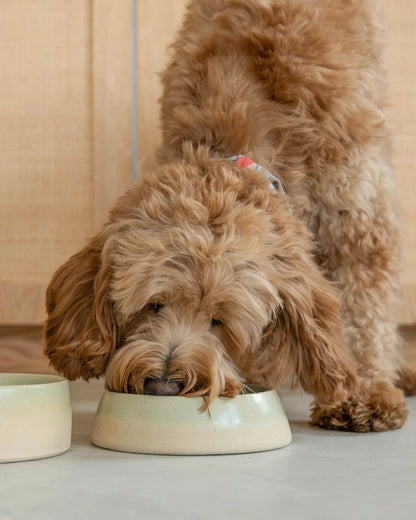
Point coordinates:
[(358, 247), (350, 207)]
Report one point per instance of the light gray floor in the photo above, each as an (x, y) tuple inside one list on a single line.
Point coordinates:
[(321, 475)]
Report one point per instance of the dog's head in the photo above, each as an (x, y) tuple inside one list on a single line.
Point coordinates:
[(203, 279)]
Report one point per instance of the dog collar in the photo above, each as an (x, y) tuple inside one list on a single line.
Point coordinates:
[(275, 182), (246, 162)]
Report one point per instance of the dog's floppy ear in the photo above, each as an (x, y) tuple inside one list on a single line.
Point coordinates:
[(81, 332), (306, 338)]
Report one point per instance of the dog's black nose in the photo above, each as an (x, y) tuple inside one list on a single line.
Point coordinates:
[(162, 387)]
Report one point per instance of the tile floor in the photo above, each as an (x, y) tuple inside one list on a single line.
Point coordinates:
[(321, 475)]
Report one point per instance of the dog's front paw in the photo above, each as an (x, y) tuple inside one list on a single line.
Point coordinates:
[(378, 409)]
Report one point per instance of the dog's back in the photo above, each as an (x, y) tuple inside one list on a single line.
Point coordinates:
[(297, 84)]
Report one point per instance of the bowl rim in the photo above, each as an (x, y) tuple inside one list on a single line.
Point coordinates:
[(255, 390), (43, 379)]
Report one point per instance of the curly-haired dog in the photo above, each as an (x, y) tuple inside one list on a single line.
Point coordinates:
[(208, 275)]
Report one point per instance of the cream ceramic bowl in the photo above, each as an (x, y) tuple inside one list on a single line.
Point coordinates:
[(174, 425), (35, 416)]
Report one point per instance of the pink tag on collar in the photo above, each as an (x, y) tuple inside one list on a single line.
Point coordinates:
[(275, 182)]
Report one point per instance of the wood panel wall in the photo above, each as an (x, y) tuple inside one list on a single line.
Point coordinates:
[(45, 151), (65, 152), (157, 21), (401, 61)]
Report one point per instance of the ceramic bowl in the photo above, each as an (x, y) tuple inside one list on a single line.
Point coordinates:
[(35, 416), (175, 425)]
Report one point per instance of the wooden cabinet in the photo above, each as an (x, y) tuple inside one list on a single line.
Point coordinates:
[(78, 78)]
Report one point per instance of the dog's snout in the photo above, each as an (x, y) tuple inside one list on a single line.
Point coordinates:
[(162, 387)]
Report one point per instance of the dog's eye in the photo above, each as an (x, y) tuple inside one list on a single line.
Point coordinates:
[(216, 323), (155, 307)]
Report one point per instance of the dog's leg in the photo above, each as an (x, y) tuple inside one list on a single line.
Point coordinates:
[(359, 251), (407, 380)]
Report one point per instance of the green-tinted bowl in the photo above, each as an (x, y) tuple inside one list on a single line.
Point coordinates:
[(174, 425)]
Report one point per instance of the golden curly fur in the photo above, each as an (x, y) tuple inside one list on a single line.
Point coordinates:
[(202, 277)]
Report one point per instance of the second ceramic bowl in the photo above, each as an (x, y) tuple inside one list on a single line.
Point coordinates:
[(35, 416), (135, 423)]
